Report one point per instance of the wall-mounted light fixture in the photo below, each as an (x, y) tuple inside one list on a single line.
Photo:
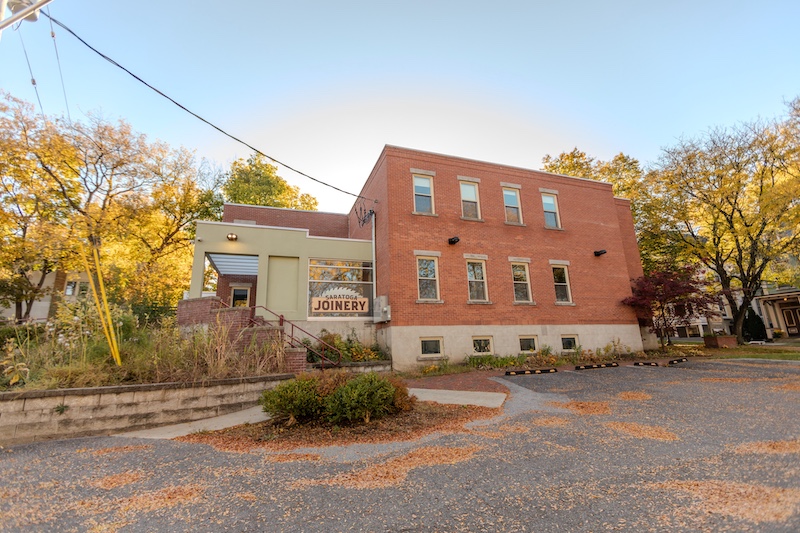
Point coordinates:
[(598, 253), (453, 240), (232, 237)]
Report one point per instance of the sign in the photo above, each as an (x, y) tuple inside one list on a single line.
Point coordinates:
[(339, 300)]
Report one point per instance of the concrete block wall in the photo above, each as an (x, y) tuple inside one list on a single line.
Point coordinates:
[(55, 414)]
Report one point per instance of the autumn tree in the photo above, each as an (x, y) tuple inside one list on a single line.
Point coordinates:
[(730, 199), (670, 296), (256, 182)]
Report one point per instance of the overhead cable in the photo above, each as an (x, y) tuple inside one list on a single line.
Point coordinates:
[(58, 60), (256, 150), (30, 70)]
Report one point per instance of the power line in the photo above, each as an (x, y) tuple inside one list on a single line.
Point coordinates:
[(30, 70), (58, 60), (140, 80)]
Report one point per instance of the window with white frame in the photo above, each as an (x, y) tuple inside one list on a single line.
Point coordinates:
[(240, 296), (522, 285), (527, 343), (470, 208), (550, 205), (512, 206), (427, 278), (482, 345), (430, 346), (476, 276), (561, 283), (423, 195), (569, 342)]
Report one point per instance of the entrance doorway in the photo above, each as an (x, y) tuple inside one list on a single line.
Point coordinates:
[(791, 317)]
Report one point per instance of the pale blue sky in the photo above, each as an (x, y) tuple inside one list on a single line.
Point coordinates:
[(324, 85)]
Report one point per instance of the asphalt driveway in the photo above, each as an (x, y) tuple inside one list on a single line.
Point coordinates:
[(705, 445)]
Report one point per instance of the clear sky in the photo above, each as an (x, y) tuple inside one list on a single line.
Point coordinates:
[(324, 85)]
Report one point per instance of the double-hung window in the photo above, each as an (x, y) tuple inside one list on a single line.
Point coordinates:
[(561, 283), (427, 279), (512, 206), (470, 207), (476, 276), (522, 285), (423, 195), (550, 205)]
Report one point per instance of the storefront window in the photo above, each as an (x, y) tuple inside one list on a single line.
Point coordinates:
[(339, 288)]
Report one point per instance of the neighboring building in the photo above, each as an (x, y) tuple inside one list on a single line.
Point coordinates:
[(468, 258), (58, 286), (779, 307)]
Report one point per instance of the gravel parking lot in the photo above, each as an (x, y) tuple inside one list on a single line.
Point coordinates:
[(699, 446)]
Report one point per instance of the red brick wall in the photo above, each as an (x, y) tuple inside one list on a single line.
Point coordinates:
[(590, 220), (318, 223), (224, 287), (197, 310)]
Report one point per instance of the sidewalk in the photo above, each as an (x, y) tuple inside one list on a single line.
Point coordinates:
[(255, 414)]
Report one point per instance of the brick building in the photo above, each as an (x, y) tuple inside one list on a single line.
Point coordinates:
[(468, 258)]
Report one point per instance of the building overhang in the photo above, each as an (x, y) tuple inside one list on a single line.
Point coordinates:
[(233, 265)]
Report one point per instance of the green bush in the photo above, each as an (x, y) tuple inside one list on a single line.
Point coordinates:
[(365, 397), (299, 399), (493, 361)]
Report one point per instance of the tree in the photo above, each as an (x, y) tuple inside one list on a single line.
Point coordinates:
[(730, 200), (669, 297), (256, 182)]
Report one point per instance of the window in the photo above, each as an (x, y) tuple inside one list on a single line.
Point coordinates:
[(527, 344), (430, 346), (427, 282), (511, 202), (423, 195), (569, 342), (482, 345), (561, 282), (240, 296), (83, 288), (339, 288), (522, 287), (69, 290), (469, 201), (477, 280), (550, 204)]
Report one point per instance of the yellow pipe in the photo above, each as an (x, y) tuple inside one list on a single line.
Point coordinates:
[(115, 347), (97, 300)]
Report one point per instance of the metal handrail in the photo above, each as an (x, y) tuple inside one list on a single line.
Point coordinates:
[(295, 342)]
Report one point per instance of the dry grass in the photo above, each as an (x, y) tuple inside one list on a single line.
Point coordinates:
[(117, 480), (634, 396), (425, 418), (395, 471), (584, 408), (756, 503), (641, 431), (770, 447)]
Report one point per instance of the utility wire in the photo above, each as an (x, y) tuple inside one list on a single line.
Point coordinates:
[(30, 70), (256, 150), (58, 60)]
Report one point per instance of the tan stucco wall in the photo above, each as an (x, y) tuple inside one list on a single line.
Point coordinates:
[(265, 242)]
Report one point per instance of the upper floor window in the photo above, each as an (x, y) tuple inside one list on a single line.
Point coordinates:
[(511, 202), (550, 204), (423, 194), (522, 286), (427, 280), (476, 275), (470, 207), (561, 283)]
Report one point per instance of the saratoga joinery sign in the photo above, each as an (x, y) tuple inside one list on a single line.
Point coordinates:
[(339, 300)]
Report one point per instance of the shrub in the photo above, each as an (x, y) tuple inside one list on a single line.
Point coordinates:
[(365, 397), (402, 401), (298, 399), (493, 361)]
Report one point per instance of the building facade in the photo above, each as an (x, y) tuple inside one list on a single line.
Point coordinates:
[(440, 257)]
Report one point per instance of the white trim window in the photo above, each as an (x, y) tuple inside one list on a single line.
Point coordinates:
[(240, 296), (431, 346), (522, 284), (423, 195), (550, 206), (476, 276), (512, 206), (569, 342), (470, 205), (482, 345), (527, 343), (427, 278), (561, 284)]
